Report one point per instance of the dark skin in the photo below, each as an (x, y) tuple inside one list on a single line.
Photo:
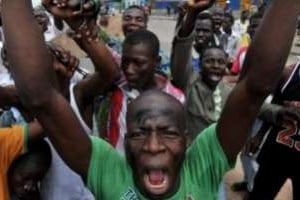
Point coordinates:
[(24, 180), (156, 142), (218, 17), (106, 69), (9, 96), (132, 20), (188, 24), (227, 25), (138, 65), (213, 67), (50, 107), (244, 90), (203, 34)]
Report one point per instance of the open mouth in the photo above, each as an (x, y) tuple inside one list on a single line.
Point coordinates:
[(156, 180), (215, 76)]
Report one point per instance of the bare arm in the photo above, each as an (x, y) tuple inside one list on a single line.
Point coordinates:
[(9, 96), (34, 78), (262, 59), (84, 25)]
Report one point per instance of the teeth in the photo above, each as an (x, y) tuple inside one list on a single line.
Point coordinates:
[(157, 185)]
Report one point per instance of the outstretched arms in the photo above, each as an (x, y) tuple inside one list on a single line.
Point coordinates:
[(263, 65), (35, 81)]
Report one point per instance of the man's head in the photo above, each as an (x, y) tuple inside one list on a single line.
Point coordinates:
[(244, 15), (140, 57), (254, 23), (28, 170), (218, 16), (228, 23), (134, 19), (214, 61), (155, 143), (42, 19), (203, 31)]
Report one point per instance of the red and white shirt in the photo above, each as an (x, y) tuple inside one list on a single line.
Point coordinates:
[(115, 129)]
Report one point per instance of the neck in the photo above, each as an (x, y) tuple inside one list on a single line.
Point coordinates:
[(154, 83), (209, 84)]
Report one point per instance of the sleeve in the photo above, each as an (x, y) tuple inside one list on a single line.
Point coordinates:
[(181, 59), (207, 161), (107, 168), (13, 142)]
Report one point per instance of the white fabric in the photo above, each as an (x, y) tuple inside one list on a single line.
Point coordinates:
[(61, 182), (75, 108)]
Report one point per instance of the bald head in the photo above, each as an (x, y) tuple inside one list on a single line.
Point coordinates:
[(154, 103)]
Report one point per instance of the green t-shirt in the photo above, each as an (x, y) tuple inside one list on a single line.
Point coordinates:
[(110, 177)]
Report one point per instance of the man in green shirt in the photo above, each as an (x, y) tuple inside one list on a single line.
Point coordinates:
[(155, 150), (158, 164)]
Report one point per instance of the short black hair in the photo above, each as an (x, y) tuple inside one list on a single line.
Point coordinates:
[(144, 37), (37, 151), (230, 16), (219, 47), (206, 16), (139, 8)]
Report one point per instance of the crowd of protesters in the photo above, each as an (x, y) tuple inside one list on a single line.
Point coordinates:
[(145, 124)]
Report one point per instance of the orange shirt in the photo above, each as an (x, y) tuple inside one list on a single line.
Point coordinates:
[(12, 144)]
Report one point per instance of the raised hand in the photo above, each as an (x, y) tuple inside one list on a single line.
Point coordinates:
[(199, 5), (74, 12), (64, 62)]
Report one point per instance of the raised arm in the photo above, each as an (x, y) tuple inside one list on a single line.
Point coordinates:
[(264, 65), (34, 80), (86, 35), (181, 56)]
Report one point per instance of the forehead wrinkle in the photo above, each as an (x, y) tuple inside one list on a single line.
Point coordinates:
[(141, 116)]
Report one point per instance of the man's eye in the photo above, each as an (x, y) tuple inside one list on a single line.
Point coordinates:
[(126, 18), (170, 134), (139, 19), (137, 134)]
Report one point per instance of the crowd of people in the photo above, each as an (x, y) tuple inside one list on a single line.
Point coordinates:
[(145, 124)]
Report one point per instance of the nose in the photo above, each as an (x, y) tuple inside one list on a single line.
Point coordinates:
[(128, 68), (200, 33), (216, 64), (153, 144)]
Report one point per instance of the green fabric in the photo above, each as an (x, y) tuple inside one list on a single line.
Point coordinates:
[(26, 136), (110, 177)]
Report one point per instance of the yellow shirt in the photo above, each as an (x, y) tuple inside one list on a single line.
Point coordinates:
[(12, 144), (245, 40)]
